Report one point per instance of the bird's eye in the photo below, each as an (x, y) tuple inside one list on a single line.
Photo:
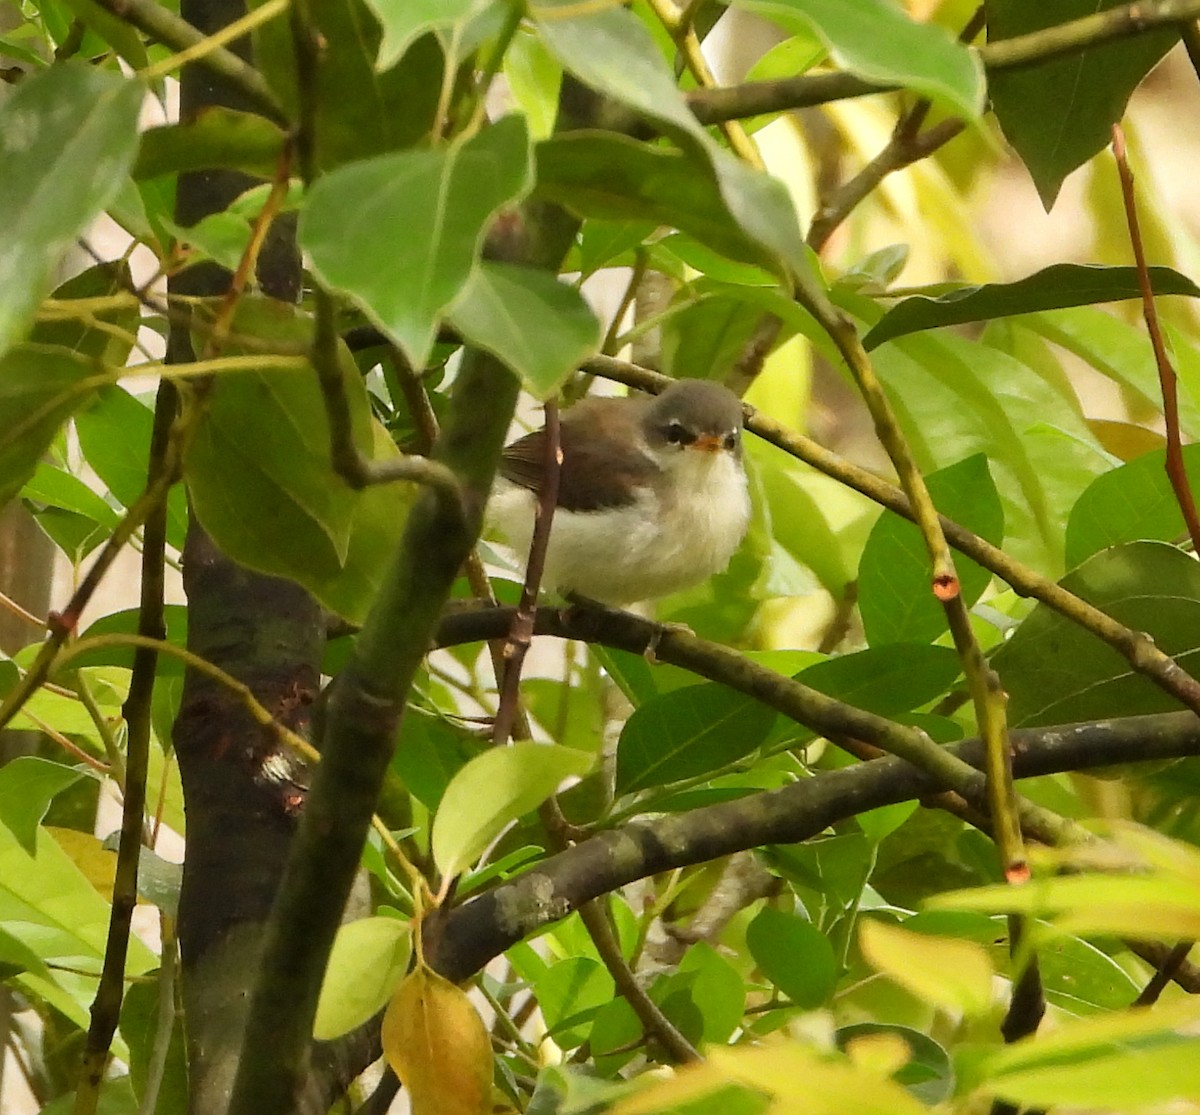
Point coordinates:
[(729, 442), (677, 434)]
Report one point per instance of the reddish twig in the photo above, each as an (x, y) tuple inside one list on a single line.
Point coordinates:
[(1166, 372), (521, 634)]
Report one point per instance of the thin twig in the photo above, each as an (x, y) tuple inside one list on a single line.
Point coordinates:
[(521, 634), (172, 31), (657, 1025), (106, 1007), (1167, 379)]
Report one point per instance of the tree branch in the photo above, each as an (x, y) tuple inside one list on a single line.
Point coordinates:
[(470, 935)]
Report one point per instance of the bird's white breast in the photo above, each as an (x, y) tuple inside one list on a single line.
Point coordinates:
[(649, 548)]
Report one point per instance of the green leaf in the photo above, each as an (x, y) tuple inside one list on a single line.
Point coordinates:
[(541, 328), (896, 599), (27, 786), (612, 177), (1132, 502), (68, 135), (886, 680), (114, 434), (1052, 288), (877, 41), (362, 111), (492, 790), (430, 752), (794, 955), (1121, 352), (40, 388), (1059, 113), (52, 487), (928, 1074), (686, 733), (401, 233), (956, 398), (215, 137), (609, 49), (569, 994), (367, 963), (1057, 673), (261, 481), (403, 22), (717, 989)]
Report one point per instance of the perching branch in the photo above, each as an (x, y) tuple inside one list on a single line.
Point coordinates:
[(470, 935)]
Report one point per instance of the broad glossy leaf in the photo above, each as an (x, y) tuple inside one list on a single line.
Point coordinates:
[(688, 732), (1057, 673), (569, 994), (1079, 978), (114, 434), (717, 989), (542, 329), (258, 466), (403, 22), (1132, 502), (216, 137), (946, 971), (877, 41), (612, 177), (68, 135), (41, 386), (401, 233), (955, 399), (1060, 113), (491, 791), (609, 49), (794, 955), (47, 903), (1120, 351), (53, 487), (1052, 288), (895, 598), (27, 786), (126, 623), (366, 965), (363, 112), (888, 679), (429, 752)]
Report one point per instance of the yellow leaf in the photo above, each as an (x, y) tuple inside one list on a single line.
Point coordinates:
[(941, 970), (437, 1044), (98, 864)]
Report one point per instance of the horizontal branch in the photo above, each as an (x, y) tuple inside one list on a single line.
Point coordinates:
[(756, 98), (471, 935)]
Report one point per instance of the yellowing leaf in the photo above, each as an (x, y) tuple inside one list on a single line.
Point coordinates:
[(942, 970), (437, 1044), (800, 1080), (98, 864)]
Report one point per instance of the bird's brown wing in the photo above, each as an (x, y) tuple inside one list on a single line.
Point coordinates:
[(596, 472)]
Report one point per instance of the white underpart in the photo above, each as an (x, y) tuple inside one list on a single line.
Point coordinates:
[(648, 549)]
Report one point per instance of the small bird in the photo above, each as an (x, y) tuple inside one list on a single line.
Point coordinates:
[(652, 495)]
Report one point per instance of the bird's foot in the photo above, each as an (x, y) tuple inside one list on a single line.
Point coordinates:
[(656, 636)]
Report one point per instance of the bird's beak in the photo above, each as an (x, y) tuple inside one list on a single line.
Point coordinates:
[(707, 443)]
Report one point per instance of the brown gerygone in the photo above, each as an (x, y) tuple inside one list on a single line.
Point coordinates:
[(652, 493)]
